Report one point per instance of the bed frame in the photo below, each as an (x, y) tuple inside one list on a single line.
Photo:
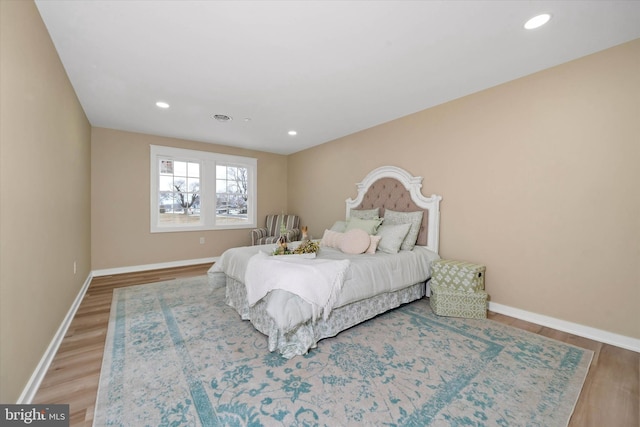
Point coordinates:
[(387, 187), (383, 188)]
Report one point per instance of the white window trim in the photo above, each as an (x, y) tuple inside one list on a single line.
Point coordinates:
[(208, 161)]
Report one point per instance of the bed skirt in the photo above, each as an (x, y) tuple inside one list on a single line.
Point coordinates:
[(301, 339)]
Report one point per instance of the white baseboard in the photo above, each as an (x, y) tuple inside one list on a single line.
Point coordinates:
[(146, 267), (34, 382), (606, 337)]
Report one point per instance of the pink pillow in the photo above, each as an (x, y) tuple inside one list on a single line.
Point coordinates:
[(332, 239), (355, 241), (373, 245)]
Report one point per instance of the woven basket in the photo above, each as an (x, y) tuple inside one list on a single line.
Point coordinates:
[(447, 302), (458, 275)]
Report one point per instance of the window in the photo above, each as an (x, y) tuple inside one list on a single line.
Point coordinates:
[(200, 190), (179, 192), (231, 193)]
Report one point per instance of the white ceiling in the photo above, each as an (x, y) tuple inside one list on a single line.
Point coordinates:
[(324, 68)]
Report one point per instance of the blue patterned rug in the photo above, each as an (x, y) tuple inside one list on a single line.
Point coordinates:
[(176, 355)]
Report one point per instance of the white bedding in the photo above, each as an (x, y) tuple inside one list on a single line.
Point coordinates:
[(317, 281), (367, 275)]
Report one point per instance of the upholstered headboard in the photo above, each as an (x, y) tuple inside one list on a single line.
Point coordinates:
[(390, 187)]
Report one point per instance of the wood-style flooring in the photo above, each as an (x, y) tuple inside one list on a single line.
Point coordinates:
[(610, 396)]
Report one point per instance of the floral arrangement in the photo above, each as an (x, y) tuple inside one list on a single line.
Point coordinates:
[(306, 247)]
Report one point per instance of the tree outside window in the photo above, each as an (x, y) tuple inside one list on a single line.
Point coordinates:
[(179, 195), (232, 191), (201, 190)]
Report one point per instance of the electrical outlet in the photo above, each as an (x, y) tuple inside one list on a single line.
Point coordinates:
[(202, 240)]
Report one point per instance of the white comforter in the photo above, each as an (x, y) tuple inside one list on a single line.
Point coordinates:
[(367, 275), (317, 281)]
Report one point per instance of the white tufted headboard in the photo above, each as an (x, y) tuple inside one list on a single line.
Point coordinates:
[(396, 189)]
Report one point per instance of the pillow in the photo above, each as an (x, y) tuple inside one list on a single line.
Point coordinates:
[(365, 213), (413, 218), (331, 239), (355, 241), (373, 245), (392, 237), (368, 225), (339, 226)]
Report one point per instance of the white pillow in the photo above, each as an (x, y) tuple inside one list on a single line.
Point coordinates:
[(392, 237), (413, 218)]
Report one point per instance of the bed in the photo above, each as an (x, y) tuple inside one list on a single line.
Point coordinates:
[(364, 285)]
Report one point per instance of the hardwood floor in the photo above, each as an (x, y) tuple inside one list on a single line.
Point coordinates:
[(75, 371), (610, 396)]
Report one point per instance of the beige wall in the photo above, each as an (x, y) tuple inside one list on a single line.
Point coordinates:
[(120, 235), (44, 197), (539, 179)]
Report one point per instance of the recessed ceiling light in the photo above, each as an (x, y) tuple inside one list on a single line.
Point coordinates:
[(293, 132), (162, 104), (222, 117), (537, 21)]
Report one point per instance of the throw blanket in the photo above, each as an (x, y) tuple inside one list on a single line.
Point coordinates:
[(316, 281)]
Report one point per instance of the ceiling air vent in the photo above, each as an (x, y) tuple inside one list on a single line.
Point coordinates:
[(222, 117)]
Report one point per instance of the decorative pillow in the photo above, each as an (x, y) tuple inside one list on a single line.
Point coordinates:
[(365, 213), (331, 239), (355, 241), (339, 226), (373, 245), (368, 225), (413, 218), (392, 237)]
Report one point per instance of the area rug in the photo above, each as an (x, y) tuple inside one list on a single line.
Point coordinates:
[(176, 355)]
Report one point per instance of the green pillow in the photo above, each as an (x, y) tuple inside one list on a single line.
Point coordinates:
[(368, 225), (365, 213), (339, 226)]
